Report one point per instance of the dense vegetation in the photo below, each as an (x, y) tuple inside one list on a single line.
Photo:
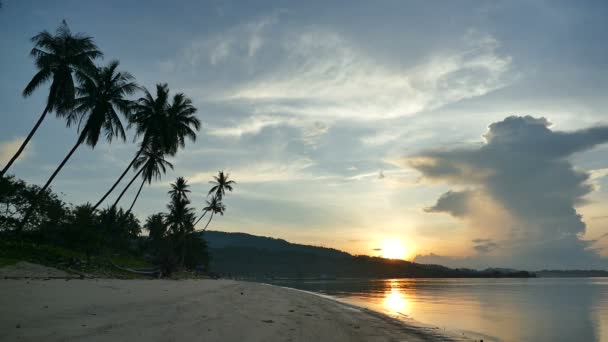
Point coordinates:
[(249, 256), (97, 100)]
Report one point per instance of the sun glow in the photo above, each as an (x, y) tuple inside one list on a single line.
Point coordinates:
[(393, 249), (396, 301)]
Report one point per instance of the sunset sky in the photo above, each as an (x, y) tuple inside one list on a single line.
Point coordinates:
[(468, 133)]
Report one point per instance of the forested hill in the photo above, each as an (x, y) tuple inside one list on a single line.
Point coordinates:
[(245, 255)]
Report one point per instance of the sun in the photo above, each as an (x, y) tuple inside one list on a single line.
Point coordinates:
[(393, 249)]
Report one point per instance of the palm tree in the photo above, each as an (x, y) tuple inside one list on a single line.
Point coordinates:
[(57, 58), (161, 125), (152, 165), (221, 184), (102, 97), (214, 206), (182, 123), (180, 221), (179, 189)]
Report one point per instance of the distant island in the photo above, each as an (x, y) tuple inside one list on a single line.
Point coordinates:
[(571, 273), (256, 257)]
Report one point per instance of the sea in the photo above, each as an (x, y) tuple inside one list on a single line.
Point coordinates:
[(505, 309)]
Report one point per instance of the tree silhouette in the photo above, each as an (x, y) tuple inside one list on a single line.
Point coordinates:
[(179, 189), (101, 98), (214, 206), (57, 58), (151, 165), (161, 125), (221, 184)]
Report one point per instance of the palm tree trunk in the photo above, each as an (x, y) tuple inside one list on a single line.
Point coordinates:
[(205, 213), (210, 217), (48, 182), (136, 196), (27, 140), (183, 257), (127, 187), (119, 179)]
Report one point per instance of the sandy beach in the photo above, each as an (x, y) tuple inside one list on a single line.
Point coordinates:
[(186, 310)]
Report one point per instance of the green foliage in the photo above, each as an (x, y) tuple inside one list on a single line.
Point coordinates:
[(12, 250), (119, 229), (80, 228), (16, 197)]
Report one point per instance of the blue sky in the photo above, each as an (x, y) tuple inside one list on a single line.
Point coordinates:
[(306, 104)]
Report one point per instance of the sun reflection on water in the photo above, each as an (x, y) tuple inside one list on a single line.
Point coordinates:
[(396, 301)]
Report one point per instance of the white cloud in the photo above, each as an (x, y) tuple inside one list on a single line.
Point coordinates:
[(8, 149), (262, 172), (324, 75), (242, 41)]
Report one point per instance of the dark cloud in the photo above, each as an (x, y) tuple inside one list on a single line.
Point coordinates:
[(377, 249), (484, 245), (452, 202), (523, 166)]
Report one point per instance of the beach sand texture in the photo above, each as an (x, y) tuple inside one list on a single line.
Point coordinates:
[(186, 310)]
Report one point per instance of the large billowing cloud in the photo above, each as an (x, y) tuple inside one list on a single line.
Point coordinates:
[(522, 169)]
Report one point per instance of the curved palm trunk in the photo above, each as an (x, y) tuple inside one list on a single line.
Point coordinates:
[(205, 213), (136, 196), (50, 180), (124, 173), (210, 217), (127, 187), (25, 142)]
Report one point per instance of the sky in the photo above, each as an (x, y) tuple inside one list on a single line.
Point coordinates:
[(470, 133)]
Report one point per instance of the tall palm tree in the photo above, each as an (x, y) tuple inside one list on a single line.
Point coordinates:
[(102, 96), (179, 190), (57, 58), (180, 221), (214, 206), (152, 165), (161, 125), (221, 184), (96, 111)]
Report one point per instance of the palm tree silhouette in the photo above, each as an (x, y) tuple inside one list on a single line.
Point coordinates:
[(179, 189), (161, 125), (101, 97), (214, 206), (152, 165), (57, 58), (221, 183)]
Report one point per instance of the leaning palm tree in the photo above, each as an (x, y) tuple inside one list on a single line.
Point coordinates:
[(57, 58), (179, 190), (162, 126), (102, 97), (96, 111), (214, 206), (152, 165), (221, 184)]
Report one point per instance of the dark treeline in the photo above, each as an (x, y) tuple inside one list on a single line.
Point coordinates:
[(101, 103), (249, 256)]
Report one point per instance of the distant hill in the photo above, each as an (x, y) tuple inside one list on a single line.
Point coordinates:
[(245, 255), (571, 273)]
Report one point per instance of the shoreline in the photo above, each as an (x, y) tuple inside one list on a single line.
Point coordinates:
[(210, 310), (405, 320)]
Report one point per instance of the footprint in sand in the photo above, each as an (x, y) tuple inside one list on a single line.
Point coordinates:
[(268, 321)]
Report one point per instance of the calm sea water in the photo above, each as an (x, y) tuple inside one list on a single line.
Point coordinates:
[(542, 309)]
